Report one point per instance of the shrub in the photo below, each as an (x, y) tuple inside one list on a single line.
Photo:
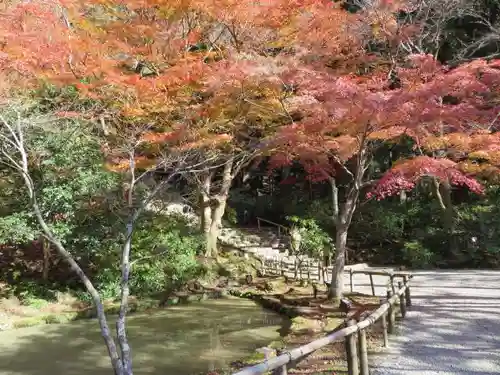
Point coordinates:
[(416, 255)]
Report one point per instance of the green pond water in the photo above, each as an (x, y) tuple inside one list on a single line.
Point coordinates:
[(180, 340)]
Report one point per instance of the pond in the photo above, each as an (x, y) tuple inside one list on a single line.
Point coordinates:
[(180, 340)]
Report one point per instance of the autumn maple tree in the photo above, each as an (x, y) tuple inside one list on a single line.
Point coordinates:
[(137, 87), (449, 113), (347, 99), (176, 86)]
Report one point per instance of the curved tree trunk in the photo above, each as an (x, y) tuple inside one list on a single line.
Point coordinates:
[(213, 206), (22, 167), (213, 232)]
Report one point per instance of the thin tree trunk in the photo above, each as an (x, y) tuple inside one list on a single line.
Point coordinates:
[(125, 291), (335, 199), (22, 167), (442, 191), (96, 298), (341, 229), (75, 267), (449, 212), (46, 258)]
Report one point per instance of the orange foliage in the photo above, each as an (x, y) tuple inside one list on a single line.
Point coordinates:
[(196, 74), (442, 109)]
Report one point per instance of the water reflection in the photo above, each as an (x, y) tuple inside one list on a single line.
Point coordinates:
[(180, 340)]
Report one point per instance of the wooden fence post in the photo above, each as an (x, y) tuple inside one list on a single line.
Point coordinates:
[(402, 304), (384, 330), (371, 283), (407, 292), (351, 280), (390, 314), (363, 353), (352, 355), (393, 288), (281, 370)]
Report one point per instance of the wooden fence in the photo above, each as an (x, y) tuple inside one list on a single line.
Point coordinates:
[(282, 230), (306, 269), (354, 334)]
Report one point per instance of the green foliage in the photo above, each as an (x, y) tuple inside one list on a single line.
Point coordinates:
[(231, 215), (165, 251), (416, 255), (31, 292), (80, 201), (16, 228), (67, 169), (313, 238)]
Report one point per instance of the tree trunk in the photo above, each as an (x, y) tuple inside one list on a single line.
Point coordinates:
[(96, 298), (46, 258), (448, 212), (442, 191), (121, 331), (205, 208), (217, 204), (335, 199), (215, 226), (342, 219), (22, 167), (337, 284)]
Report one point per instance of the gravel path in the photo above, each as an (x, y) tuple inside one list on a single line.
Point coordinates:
[(453, 327)]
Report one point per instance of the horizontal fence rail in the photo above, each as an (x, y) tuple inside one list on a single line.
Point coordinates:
[(354, 334), (313, 271), (282, 230)]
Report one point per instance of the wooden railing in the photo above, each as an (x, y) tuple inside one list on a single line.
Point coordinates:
[(310, 270), (301, 269), (354, 334), (281, 228)]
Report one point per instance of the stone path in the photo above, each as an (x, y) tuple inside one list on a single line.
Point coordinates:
[(453, 327)]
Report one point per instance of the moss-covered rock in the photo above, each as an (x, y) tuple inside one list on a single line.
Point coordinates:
[(331, 324), (254, 358)]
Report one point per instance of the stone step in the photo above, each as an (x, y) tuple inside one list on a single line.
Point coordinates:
[(263, 243)]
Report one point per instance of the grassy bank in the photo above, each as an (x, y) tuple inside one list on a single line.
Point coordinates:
[(18, 314)]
